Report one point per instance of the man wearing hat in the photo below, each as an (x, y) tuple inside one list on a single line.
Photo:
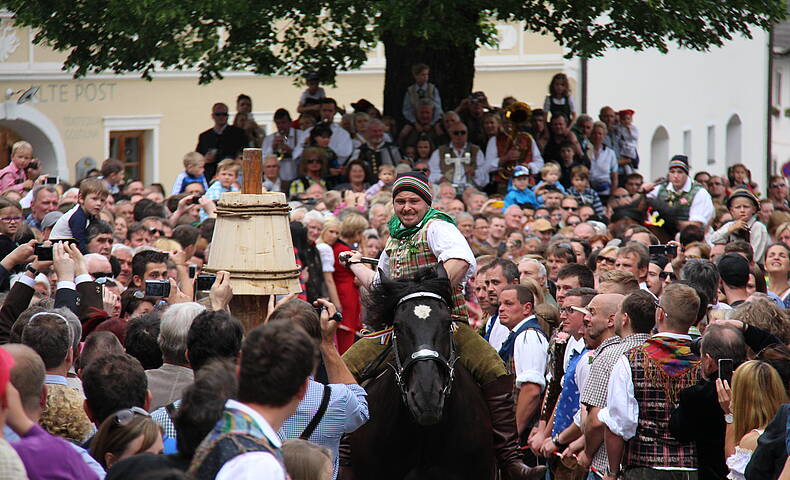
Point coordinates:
[(743, 206), (420, 237), (680, 200)]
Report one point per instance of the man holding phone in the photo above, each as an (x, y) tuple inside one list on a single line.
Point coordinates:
[(698, 417)]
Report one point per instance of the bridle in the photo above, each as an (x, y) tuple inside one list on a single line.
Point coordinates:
[(423, 353)]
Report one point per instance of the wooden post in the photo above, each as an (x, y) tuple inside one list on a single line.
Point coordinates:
[(251, 309), (252, 170)]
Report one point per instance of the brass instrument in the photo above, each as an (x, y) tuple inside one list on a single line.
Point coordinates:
[(519, 114)]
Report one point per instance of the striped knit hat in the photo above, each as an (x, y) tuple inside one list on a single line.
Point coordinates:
[(680, 161), (415, 182)]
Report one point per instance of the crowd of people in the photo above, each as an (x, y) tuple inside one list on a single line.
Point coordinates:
[(617, 325)]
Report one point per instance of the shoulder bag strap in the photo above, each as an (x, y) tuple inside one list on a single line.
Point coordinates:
[(318, 415)]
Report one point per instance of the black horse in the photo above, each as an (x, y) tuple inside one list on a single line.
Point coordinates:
[(441, 429)]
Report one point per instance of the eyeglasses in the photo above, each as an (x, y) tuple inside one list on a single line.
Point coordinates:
[(220, 114), (423, 170), (571, 309), (458, 132), (664, 275), (778, 185), (609, 260), (124, 417), (11, 219), (570, 209), (153, 230)]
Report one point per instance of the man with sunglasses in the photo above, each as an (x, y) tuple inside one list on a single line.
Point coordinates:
[(777, 192), (220, 141), (459, 154)]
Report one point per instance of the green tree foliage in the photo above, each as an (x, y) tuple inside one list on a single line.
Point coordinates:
[(294, 36)]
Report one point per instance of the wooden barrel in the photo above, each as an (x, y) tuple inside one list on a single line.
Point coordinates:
[(252, 241)]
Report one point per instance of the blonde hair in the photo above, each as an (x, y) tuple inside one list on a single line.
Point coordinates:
[(550, 167), (329, 222), (93, 186), (228, 164), (537, 290), (387, 167), (305, 460), (166, 244), (64, 415), (757, 393), (19, 146), (192, 159), (353, 224)]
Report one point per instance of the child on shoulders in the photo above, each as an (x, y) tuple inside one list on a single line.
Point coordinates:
[(518, 191), (74, 223), (194, 166)]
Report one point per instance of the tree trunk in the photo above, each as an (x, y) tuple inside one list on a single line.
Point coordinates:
[(452, 71)]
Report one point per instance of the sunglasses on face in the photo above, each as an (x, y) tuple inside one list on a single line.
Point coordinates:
[(153, 230), (458, 132), (570, 209), (221, 114), (423, 170), (664, 275), (609, 260)]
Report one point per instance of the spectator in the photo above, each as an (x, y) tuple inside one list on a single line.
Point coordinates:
[(44, 199), (377, 151), (14, 176), (603, 161), (220, 141), (98, 238), (148, 265), (681, 201), (306, 461), (113, 383), (497, 275), (74, 223), (559, 100), (468, 165), (734, 272), (125, 433), (743, 206), (276, 363), (282, 143), (777, 268), (757, 393), (112, 172), (765, 314), (168, 381), (44, 455), (142, 334), (652, 452), (559, 255), (346, 408), (421, 89), (634, 258), (194, 167), (351, 229)]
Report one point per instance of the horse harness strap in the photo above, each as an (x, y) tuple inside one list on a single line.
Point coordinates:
[(421, 295), (319, 414)]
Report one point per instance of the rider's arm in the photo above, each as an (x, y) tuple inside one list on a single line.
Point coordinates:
[(452, 249), (456, 270)]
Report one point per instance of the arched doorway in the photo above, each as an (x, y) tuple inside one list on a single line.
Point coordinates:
[(659, 152), (27, 123), (733, 152)]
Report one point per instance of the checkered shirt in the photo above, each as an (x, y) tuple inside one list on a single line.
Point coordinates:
[(161, 417), (596, 389), (11, 466)]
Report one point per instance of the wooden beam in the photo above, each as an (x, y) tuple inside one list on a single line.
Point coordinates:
[(252, 171)]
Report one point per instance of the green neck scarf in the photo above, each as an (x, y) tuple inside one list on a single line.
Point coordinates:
[(399, 232)]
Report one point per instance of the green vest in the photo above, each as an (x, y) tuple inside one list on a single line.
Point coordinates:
[(411, 254), (680, 201)]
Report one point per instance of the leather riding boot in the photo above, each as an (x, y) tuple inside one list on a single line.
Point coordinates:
[(499, 397)]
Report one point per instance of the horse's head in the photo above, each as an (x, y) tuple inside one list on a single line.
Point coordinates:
[(418, 309)]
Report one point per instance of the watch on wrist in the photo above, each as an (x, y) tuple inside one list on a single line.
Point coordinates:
[(560, 445), (338, 317), (610, 473), (30, 268), (728, 418)]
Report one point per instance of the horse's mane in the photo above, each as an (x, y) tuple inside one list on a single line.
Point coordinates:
[(383, 298)]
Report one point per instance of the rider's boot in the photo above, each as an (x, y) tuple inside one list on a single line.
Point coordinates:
[(499, 397)]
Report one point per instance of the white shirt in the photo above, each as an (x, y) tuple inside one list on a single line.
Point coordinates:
[(574, 345), (253, 465), (327, 257), (294, 138), (498, 333), (481, 173), (492, 157), (583, 367), (339, 142), (701, 205), (446, 242), (530, 354), (621, 413)]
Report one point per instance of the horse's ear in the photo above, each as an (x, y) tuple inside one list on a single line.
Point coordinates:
[(383, 276), (441, 273)]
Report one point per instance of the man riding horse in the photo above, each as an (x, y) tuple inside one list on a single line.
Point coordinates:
[(421, 236)]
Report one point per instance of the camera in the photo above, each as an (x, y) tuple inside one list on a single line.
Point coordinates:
[(205, 281), (43, 252), (196, 199), (52, 180), (157, 288), (666, 250), (192, 270), (32, 166)]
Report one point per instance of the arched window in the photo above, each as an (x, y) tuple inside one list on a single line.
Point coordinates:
[(659, 152), (733, 152)]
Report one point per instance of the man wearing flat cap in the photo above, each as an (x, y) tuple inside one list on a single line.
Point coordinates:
[(421, 236), (680, 200)]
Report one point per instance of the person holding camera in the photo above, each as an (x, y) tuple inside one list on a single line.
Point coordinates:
[(743, 207)]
